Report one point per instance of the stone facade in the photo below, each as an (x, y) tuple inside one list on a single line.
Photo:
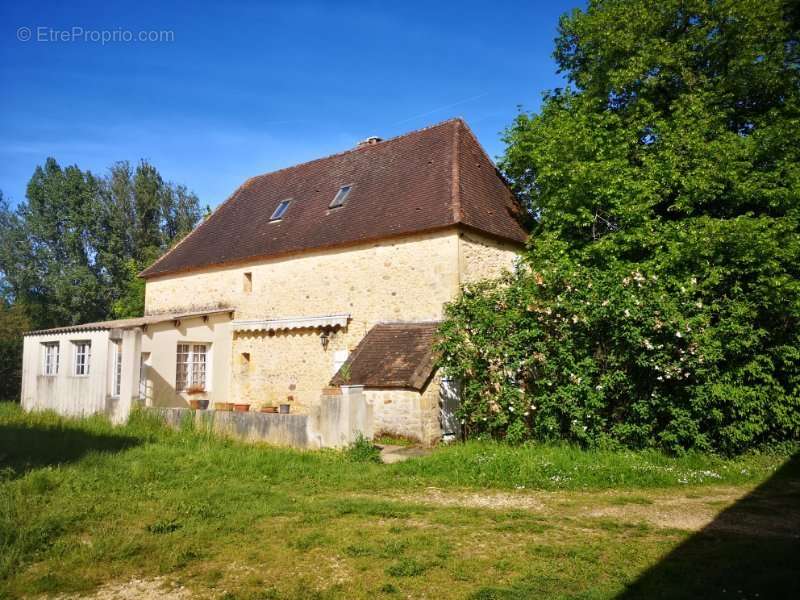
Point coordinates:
[(406, 412), (405, 279), (402, 279), (482, 257), (372, 282)]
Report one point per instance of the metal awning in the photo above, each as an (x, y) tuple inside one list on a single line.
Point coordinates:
[(285, 324)]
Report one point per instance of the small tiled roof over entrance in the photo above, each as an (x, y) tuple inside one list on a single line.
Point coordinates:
[(425, 180), (392, 355)]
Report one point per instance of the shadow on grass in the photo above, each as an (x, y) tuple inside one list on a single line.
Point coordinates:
[(751, 550), (23, 448)]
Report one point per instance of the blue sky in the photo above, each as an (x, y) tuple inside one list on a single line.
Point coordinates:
[(248, 87)]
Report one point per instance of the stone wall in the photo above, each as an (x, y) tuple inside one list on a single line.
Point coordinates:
[(373, 282), (282, 367), (403, 279), (406, 279), (407, 413), (482, 257)]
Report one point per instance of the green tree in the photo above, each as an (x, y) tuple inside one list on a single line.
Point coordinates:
[(13, 323), (72, 251), (659, 303), (48, 248), (142, 217)]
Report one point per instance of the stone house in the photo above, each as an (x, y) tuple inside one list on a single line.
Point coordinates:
[(333, 272)]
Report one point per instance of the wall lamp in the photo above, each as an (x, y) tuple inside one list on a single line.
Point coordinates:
[(324, 338)]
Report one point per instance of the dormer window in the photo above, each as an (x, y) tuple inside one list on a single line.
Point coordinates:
[(277, 215), (341, 196)]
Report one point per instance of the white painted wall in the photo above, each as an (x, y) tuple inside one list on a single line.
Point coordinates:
[(161, 341), (65, 392), (79, 396)]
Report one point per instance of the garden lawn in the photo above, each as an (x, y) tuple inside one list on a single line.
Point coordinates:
[(86, 508)]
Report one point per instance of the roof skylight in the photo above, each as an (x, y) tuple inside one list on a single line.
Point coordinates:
[(341, 196), (280, 210)]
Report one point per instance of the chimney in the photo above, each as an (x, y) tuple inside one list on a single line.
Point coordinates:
[(370, 141)]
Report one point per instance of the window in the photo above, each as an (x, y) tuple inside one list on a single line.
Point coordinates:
[(247, 283), (116, 375), (191, 367), (50, 356), (83, 356), (341, 196), (280, 210)]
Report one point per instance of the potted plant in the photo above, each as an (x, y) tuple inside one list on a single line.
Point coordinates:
[(241, 407), (268, 408), (223, 406), (284, 408), (197, 403)]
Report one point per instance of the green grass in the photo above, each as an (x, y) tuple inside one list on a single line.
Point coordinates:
[(487, 464), (388, 439), (83, 504)]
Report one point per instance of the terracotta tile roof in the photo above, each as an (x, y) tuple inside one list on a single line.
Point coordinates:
[(130, 323), (392, 355), (424, 180)]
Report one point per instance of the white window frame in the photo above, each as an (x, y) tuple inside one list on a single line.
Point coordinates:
[(197, 371), (116, 371), (81, 367), (51, 357)]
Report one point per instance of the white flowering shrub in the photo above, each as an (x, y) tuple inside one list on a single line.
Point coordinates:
[(697, 348)]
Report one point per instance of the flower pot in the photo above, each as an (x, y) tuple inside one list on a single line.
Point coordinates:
[(269, 409), (198, 404), (226, 406), (284, 409), (241, 407)]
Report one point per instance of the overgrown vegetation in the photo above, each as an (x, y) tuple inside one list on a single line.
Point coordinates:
[(658, 303), (363, 450), (13, 323), (83, 503)]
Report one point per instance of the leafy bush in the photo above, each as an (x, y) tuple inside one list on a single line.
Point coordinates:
[(363, 450), (696, 349), (13, 323)]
